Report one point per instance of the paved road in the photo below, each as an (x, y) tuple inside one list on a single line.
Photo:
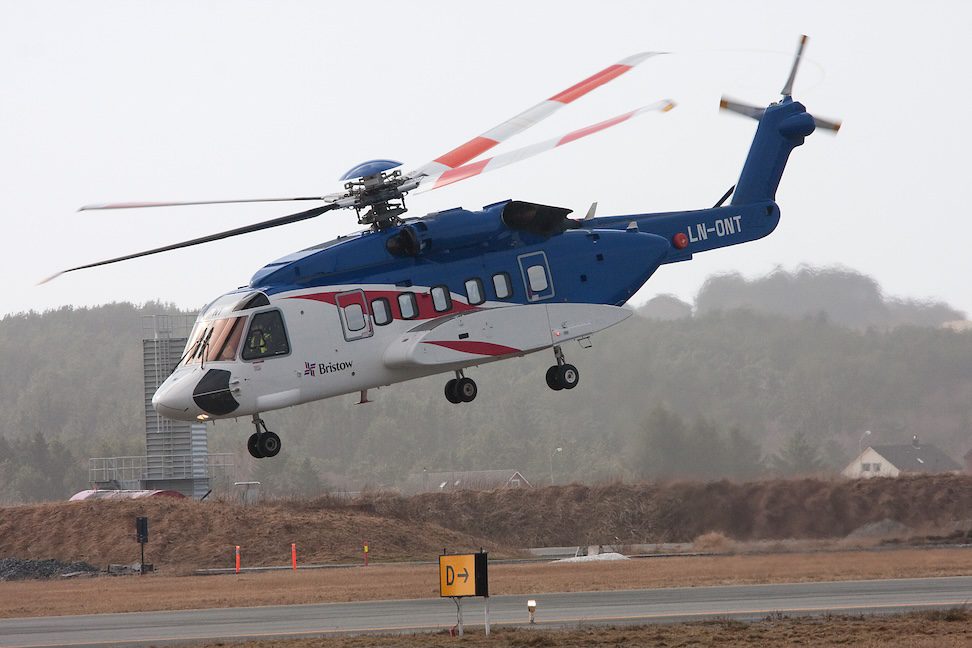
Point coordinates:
[(631, 606)]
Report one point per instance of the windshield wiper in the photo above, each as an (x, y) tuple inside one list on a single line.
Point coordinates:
[(205, 353), (191, 352)]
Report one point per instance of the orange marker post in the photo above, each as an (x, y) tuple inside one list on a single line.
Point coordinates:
[(237, 559), (366, 553), (293, 555)]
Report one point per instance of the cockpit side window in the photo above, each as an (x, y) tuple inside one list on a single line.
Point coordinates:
[(267, 337)]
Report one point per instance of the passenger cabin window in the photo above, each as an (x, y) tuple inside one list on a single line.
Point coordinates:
[(407, 305), (537, 277), (441, 299), (381, 311), (267, 337), (475, 294), (355, 317), (502, 285)]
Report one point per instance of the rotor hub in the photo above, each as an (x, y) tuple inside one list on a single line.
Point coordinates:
[(374, 186)]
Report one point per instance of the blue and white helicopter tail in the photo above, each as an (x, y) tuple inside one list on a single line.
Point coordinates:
[(782, 127), (753, 212)]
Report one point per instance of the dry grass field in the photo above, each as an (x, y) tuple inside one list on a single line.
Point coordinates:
[(947, 629), (385, 581)]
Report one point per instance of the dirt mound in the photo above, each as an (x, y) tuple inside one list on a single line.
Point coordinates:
[(184, 533), (19, 569), (682, 511)]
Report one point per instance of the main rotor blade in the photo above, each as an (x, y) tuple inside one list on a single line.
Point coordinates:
[(788, 87), (428, 183), (530, 117), (133, 205), (246, 229)]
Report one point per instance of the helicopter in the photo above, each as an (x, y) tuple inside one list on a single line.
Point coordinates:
[(411, 297)]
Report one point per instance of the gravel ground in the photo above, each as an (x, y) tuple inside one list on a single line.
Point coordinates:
[(20, 569)]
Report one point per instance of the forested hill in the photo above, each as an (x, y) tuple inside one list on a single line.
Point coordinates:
[(726, 392), (837, 294)]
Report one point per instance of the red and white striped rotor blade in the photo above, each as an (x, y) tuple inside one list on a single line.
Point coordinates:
[(482, 143), (428, 183)]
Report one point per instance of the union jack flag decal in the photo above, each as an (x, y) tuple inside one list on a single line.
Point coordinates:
[(309, 369)]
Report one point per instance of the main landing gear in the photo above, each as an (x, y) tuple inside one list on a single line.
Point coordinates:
[(263, 442), (562, 375), (461, 389)]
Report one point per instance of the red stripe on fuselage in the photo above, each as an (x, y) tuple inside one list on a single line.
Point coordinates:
[(473, 347)]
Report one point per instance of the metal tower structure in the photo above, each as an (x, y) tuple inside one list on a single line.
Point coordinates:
[(176, 452)]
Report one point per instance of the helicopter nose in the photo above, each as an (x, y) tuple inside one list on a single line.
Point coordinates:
[(173, 399), (185, 397)]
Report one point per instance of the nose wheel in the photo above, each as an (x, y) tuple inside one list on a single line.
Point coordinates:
[(461, 389), (562, 375), (262, 443)]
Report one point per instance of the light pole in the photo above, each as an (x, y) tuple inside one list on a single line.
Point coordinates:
[(551, 463)]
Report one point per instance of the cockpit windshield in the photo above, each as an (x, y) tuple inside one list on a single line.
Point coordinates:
[(215, 341)]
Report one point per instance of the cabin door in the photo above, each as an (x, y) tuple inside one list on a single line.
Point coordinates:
[(355, 318), (536, 276)]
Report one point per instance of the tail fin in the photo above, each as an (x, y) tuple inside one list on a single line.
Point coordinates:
[(782, 127)]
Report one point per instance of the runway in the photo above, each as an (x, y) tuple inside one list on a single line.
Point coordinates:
[(744, 602)]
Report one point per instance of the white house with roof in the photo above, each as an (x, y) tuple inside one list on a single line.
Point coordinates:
[(906, 459)]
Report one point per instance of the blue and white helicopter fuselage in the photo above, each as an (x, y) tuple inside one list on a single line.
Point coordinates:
[(353, 315)]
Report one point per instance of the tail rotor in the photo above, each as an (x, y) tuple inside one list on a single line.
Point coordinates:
[(755, 112)]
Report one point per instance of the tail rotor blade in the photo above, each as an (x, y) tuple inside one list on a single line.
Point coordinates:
[(246, 229), (788, 87), (741, 108), (827, 124)]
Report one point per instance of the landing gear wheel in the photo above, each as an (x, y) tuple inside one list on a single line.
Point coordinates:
[(450, 392), (269, 444), (466, 389), (253, 445), (568, 376), (553, 378)]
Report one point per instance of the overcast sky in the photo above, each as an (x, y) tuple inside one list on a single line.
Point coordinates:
[(111, 101)]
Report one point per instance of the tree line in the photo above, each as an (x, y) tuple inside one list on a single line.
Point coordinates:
[(709, 393)]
